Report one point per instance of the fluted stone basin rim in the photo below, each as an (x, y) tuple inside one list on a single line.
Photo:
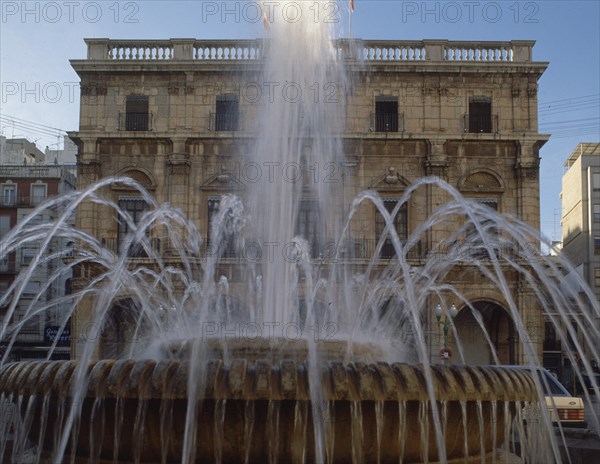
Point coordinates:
[(278, 349), (286, 380), (268, 398)]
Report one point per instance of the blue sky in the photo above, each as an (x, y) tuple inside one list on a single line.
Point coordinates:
[(38, 38)]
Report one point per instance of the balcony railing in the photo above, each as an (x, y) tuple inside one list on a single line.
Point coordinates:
[(135, 121), (347, 49), (480, 124), (23, 201), (224, 122), (387, 122), (135, 250), (253, 250)]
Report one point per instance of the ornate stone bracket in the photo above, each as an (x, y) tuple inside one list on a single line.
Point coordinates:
[(437, 169), (179, 167), (528, 170), (89, 172)]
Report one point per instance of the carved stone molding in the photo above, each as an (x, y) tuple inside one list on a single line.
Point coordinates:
[(89, 172), (89, 90), (179, 167), (481, 180), (528, 170), (437, 169), (389, 181)]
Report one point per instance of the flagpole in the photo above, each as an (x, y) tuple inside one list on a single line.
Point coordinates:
[(350, 13)]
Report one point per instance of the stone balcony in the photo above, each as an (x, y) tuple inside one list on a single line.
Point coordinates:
[(514, 51)]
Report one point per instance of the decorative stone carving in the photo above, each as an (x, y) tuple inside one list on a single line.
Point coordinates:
[(173, 90), (179, 168), (481, 181), (528, 170), (88, 172), (392, 176), (391, 180), (437, 169), (139, 176)]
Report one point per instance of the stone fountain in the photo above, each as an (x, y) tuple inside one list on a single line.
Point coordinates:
[(254, 410), (267, 400)]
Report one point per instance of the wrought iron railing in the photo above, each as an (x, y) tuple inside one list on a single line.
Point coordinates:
[(224, 122), (387, 122), (135, 122), (480, 124)]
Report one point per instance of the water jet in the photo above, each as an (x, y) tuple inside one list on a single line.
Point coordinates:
[(169, 368)]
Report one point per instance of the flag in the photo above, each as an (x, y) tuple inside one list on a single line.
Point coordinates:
[(266, 23), (351, 6)]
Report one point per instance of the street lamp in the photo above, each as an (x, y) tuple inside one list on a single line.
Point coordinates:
[(445, 323)]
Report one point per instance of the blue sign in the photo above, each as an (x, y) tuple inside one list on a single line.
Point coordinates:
[(52, 332)]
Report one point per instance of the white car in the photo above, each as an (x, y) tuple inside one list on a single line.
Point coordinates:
[(564, 408)]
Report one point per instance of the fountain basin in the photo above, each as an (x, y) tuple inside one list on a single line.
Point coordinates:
[(260, 411), (274, 349)]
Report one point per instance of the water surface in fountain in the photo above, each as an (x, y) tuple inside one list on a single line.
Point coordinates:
[(208, 336)]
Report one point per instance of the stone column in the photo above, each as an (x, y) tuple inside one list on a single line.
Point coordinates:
[(436, 165), (527, 174)]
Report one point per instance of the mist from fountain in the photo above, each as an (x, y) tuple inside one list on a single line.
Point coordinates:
[(189, 337)]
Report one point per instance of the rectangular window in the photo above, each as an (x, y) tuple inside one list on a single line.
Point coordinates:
[(400, 226), (596, 213), (4, 228), (135, 207), (27, 255), (597, 277), (4, 225), (475, 242), (38, 193), (3, 289), (309, 225), (386, 114), (551, 342), (137, 116), (227, 113), (9, 194), (596, 181), (597, 245), (480, 115), (31, 325), (224, 245)]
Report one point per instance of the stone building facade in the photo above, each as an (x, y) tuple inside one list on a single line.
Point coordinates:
[(180, 115)]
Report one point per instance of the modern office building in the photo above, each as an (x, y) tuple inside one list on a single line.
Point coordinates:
[(581, 214)]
